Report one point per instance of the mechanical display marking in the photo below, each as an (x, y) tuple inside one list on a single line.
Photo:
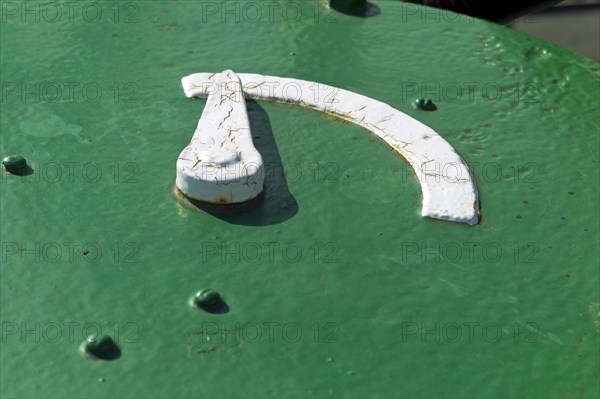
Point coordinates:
[(449, 191)]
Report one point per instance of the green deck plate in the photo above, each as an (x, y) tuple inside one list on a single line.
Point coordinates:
[(540, 134)]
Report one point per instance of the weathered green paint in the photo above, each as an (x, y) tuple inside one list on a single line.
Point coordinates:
[(369, 271)]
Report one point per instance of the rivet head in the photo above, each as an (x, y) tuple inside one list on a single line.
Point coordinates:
[(425, 104), (14, 163), (207, 298), (210, 301), (103, 348)]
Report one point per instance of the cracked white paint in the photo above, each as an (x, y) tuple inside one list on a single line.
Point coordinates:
[(449, 191), (221, 164)]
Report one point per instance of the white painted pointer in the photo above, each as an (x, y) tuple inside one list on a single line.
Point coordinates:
[(449, 190), (221, 164)]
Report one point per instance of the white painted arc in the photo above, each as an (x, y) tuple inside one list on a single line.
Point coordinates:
[(448, 188)]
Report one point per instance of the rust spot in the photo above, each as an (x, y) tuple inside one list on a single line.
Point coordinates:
[(224, 209), (222, 200)]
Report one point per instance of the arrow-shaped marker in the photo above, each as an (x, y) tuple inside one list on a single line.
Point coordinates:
[(221, 164)]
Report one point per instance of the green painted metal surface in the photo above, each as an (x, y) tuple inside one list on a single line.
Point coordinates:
[(353, 293)]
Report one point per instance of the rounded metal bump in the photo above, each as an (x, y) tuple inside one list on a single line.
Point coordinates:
[(14, 164), (103, 348), (210, 301), (358, 8), (425, 104)]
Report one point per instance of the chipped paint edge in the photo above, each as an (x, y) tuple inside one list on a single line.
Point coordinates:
[(448, 188)]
